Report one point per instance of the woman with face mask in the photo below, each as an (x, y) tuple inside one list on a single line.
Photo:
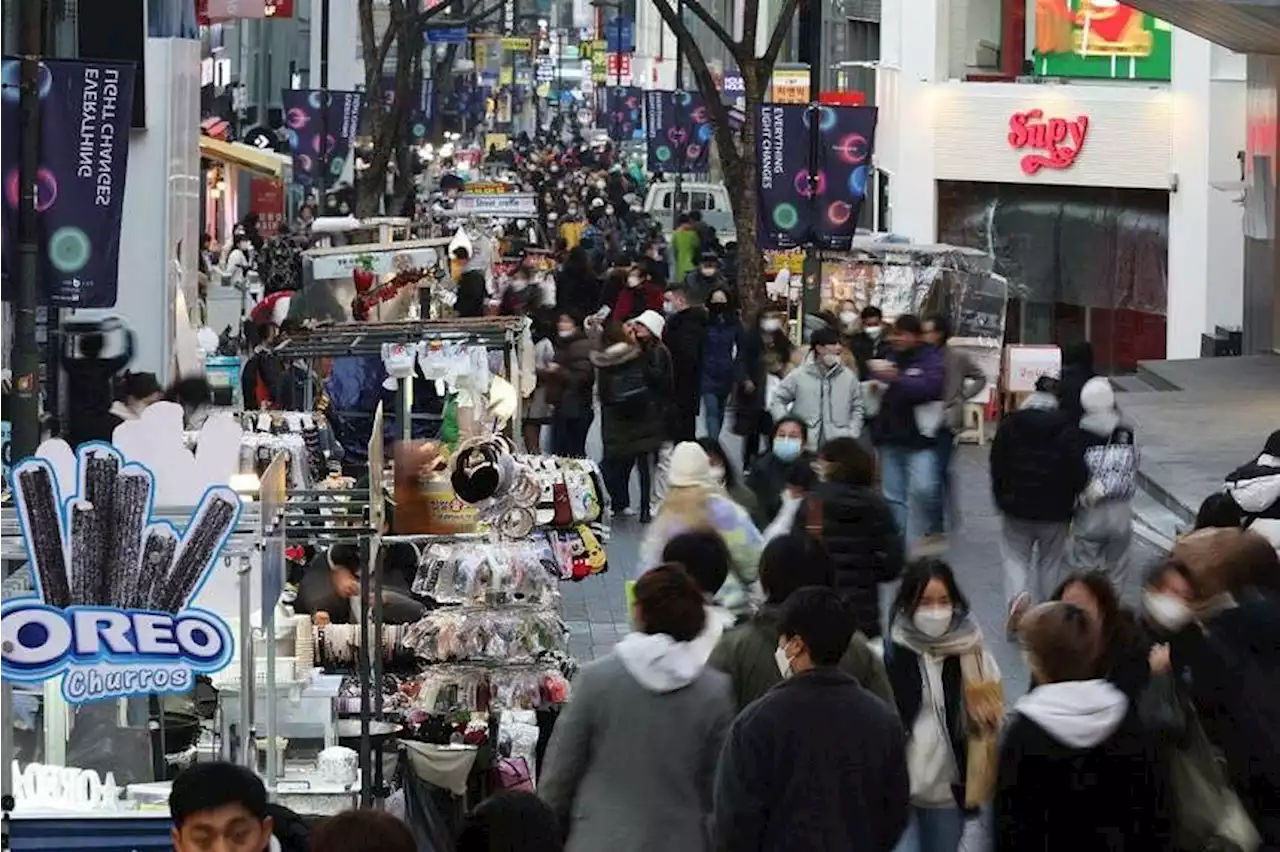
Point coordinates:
[(767, 477), (934, 650), (764, 358)]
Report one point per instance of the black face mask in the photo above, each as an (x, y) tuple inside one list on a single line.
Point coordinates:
[(717, 307)]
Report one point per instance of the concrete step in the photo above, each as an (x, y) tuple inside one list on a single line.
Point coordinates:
[(1131, 384)]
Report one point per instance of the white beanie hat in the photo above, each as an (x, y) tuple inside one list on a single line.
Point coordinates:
[(689, 465), (1097, 396), (653, 321)]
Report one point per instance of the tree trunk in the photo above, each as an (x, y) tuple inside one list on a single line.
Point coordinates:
[(745, 178), (442, 73)]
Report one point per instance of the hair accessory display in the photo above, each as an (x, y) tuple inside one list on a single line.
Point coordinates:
[(510, 635), (488, 573)]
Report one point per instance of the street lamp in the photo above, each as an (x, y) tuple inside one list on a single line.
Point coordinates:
[(617, 6)]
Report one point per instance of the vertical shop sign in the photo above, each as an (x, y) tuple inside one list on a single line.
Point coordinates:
[(85, 111), (311, 114), (791, 213), (677, 131), (266, 198), (789, 85)]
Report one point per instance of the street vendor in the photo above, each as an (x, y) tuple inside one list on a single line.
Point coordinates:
[(332, 581)]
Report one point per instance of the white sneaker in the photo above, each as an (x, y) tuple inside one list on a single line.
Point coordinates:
[(629, 512)]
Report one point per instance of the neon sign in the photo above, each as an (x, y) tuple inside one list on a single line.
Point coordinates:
[(1061, 139)]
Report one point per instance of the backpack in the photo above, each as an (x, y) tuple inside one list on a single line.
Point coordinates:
[(290, 829)]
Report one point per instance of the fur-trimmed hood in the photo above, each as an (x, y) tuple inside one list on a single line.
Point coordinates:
[(615, 354)]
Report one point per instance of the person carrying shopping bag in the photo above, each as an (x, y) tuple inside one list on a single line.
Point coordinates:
[(948, 692)]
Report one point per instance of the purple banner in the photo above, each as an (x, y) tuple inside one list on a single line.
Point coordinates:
[(790, 213), (622, 113), (678, 130), (85, 111), (311, 114), (419, 111)]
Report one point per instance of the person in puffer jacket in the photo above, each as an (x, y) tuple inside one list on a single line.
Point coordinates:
[(855, 524), (1255, 487), (724, 339), (822, 392), (1102, 528)]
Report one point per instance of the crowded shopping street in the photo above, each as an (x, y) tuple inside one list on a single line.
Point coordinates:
[(640, 426)]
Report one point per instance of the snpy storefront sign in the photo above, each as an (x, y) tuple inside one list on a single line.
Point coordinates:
[(1052, 143)]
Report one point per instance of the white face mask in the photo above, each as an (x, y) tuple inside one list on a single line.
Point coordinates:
[(933, 621), (670, 308), (1168, 611), (873, 331), (599, 184), (831, 359), (717, 474), (770, 325), (634, 280), (708, 271), (848, 317), (565, 332), (782, 661), (519, 284), (608, 211)]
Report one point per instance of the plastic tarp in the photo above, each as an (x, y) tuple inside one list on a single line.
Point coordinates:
[(1086, 246)]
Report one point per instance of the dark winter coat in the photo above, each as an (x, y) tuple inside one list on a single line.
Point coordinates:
[(686, 339), (1077, 368), (866, 348), (635, 426), (906, 679), (724, 337), (921, 379), (767, 479), (1234, 669), (866, 549), (472, 294), (570, 388), (1051, 797), (1037, 465), (746, 654), (817, 763)]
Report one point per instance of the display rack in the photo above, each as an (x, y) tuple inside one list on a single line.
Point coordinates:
[(334, 340)]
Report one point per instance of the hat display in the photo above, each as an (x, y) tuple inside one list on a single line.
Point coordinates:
[(689, 465)]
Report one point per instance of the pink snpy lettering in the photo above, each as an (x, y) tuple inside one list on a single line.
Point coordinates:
[(1060, 139)]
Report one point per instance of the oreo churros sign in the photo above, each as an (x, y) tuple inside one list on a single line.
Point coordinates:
[(114, 614)]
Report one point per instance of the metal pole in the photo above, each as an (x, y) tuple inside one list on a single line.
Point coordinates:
[(675, 201), (814, 260), (324, 100), (25, 407)]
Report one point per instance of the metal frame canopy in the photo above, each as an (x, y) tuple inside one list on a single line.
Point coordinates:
[(367, 338)]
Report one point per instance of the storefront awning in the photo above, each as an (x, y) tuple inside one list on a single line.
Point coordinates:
[(260, 162), (1245, 26)]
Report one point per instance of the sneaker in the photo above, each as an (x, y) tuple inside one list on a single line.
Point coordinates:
[(1017, 609), (934, 544), (629, 512), (645, 516)]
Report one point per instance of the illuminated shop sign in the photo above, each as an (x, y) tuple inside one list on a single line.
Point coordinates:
[(1051, 143)]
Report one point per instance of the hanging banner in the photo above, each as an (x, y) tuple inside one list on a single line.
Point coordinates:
[(113, 614), (85, 110), (419, 109), (622, 114), (678, 131), (848, 138), (790, 213), (782, 150), (311, 114)]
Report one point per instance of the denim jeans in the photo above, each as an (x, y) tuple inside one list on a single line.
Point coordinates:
[(944, 508), (713, 406), (910, 480), (932, 830)]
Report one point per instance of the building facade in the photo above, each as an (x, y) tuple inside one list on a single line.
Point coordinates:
[(1104, 178)]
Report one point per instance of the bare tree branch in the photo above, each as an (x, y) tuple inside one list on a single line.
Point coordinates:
[(780, 29), (750, 24), (721, 34)]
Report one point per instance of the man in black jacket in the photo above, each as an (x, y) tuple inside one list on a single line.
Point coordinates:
[(686, 339), (1037, 472), (785, 783)]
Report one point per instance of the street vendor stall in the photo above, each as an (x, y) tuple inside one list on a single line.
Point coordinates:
[(228, 182)]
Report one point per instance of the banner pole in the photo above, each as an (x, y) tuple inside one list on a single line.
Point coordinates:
[(813, 258), (324, 104), (25, 404), (679, 176)]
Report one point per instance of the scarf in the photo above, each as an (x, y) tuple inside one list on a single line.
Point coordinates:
[(963, 636)]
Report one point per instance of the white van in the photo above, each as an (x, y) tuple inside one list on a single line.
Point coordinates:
[(709, 199)]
